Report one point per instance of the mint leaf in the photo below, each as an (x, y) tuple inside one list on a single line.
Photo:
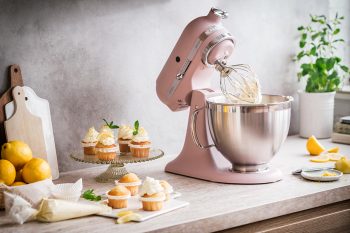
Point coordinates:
[(105, 122), (136, 128), (110, 125), (90, 195)]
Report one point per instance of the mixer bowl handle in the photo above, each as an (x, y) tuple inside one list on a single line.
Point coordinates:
[(194, 130)]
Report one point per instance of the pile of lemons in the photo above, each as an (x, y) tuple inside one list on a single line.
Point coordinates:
[(18, 167), (321, 155)]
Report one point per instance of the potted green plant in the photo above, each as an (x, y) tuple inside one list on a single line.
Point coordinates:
[(324, 72)]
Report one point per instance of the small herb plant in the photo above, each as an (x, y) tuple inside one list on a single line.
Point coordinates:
[(136, 127), (110, 124), (323, 69), (90, 195)]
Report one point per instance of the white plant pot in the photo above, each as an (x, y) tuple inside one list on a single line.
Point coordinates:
[(316, 112)]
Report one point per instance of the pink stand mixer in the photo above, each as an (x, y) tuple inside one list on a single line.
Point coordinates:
[(248, 135)]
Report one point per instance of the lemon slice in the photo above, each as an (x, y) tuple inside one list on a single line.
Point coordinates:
[(128, 218), (320, 159), (343, 165), (335, 156), (334, 150), (123, 213), (313, 146)]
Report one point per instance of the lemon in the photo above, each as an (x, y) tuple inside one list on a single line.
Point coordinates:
[(343, 165), (128, 218), (334, 150), (335, 156), (2, 181), (320, 159), (17, 152), (18, 183), (313, 146), (35, 170), (124, 212), (7, 172)]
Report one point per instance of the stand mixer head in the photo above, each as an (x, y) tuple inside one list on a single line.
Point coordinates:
[(238, 118), (190, 66)]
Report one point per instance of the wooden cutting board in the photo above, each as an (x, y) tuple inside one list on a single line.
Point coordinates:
[(15, 80), (39, 107), (25, 126)]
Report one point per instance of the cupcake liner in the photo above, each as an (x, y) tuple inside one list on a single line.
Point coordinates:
[(88, 144), (106, 156), (139, 146), (136, 183), (152, 206), (67, 191), (106, 150), (140, 152), (152, 199), (89, 150), (124, 148), (124, 142), (118, 204), (67, 198)]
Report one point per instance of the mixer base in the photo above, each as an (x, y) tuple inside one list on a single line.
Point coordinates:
[(228, 176)]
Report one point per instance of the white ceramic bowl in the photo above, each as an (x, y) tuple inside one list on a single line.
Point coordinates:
[(317, 175)]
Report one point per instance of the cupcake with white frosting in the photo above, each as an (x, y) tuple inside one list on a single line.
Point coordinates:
[(106, 130), (140, 144), (125, 134), (89, 142), (152, 195), (105, 147)]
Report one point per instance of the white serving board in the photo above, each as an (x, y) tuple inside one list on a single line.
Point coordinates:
[(136, 206), (41, 108)]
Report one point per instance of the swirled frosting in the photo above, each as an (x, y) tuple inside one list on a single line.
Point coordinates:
[(106, 130), (106, 139), (125, 132), (91, 136), (150, 186), (141, 136)]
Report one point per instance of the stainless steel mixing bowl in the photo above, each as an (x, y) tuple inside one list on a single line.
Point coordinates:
[(249, 135)]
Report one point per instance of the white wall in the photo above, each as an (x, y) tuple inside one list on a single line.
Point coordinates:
[(100, 59)]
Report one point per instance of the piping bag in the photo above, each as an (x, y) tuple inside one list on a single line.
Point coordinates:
[(19, 211), (53, 210)]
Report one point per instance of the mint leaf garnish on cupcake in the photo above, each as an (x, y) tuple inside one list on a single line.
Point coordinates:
[(90, 195), (110, 124), (136, 128)]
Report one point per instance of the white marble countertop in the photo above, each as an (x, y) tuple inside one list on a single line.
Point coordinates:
[(213, 206)]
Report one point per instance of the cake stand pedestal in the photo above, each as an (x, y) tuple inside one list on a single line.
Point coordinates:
[(116, 168)]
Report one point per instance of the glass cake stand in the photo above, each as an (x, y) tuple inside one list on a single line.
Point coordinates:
[(116, 167)]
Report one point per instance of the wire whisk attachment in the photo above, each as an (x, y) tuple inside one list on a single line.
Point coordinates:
[(239, 83)]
